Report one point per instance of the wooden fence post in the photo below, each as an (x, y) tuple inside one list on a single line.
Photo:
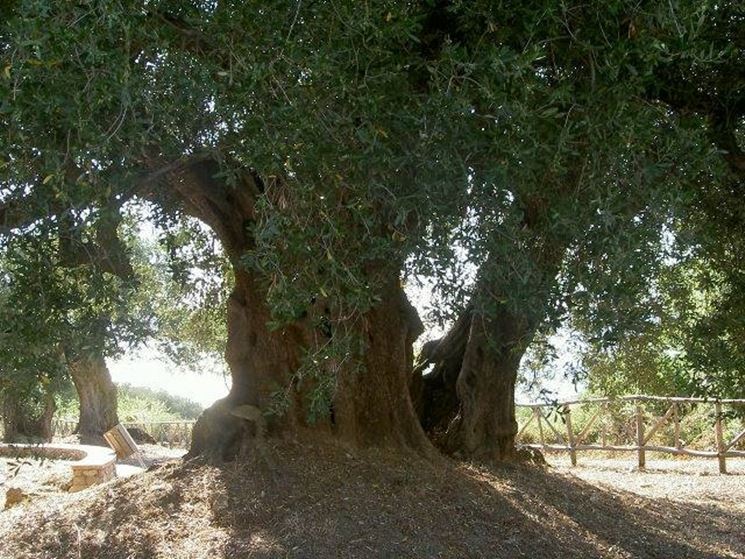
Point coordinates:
[(719, 437), (570, 435), (640, 435), (538, 416), (676, 419)]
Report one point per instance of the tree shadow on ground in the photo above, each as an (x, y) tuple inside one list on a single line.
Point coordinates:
[(633, 525), (373, 505), (100, 522), (322, 500)]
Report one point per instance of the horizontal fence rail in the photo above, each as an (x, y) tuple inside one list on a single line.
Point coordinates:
[(637, 424), (173, 434)]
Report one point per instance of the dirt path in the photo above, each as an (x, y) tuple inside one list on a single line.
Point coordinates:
[(324, 501), (684, 480)]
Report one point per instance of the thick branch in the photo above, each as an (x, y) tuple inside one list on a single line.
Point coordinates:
[(227, 209), (107, 253)]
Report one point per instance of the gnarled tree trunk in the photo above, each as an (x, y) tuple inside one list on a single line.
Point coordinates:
[(25, 421), (261, 365), (466, 402), (373, 405), (96, 394), (370, 405)]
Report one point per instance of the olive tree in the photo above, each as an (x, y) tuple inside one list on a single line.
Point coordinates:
[(337, 147)]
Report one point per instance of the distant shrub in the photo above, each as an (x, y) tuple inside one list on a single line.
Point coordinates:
[(179, 406), (137, 404)]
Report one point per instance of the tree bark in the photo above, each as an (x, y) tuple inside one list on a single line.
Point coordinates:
[(23, 423), (370, 404), (97, 397), (261, 365), (373, 406), (466, 403)]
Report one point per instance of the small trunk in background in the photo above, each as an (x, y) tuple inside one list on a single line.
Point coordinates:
[(25, 420), (97, 396)]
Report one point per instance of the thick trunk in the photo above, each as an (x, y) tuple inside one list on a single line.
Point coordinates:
[(97, 397), (370, 404), (261, 365), (369, 401), (373, 405), (466, 403), (485, 428), (25, 421)]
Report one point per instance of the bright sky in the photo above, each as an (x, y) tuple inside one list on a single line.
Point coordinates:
[(146, 369), (554, 382)]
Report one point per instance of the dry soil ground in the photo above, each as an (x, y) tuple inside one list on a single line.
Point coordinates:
[(328, 501), (34, 476)]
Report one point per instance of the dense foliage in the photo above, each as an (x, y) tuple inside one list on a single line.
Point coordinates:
[(420, 142), (693, 344)]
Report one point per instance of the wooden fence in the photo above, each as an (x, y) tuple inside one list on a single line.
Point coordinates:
[(173, 434), (637, 425)]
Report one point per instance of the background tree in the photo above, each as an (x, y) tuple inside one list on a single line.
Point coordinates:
[(67, 310), (690, 343), (72, 316), (28, 379)]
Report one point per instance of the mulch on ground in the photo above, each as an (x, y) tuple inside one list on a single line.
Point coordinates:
[(323, 500), (35, 477)]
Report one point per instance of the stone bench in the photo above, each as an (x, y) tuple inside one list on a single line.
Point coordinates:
[(90, 465)]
